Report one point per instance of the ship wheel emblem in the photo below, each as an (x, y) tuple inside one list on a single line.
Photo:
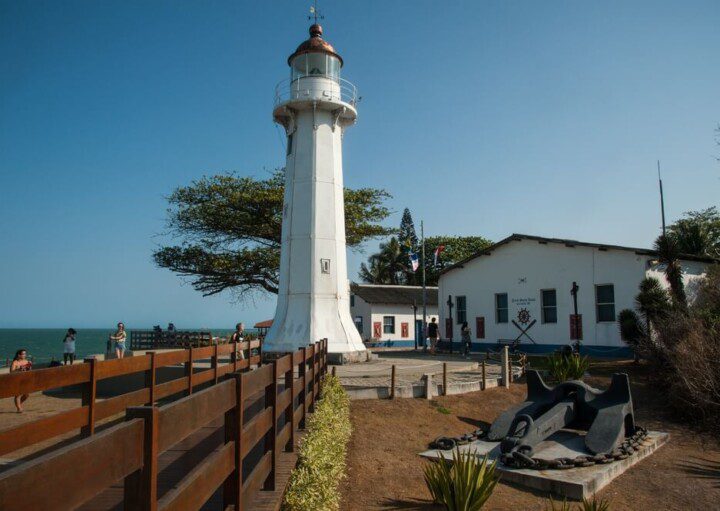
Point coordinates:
[(524, 316)]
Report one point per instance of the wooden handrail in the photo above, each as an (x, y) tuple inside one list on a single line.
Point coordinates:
[(132, 450)]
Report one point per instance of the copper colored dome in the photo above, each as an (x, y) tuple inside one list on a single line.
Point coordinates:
[(316, 44)]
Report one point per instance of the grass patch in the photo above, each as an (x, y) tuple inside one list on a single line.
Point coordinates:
[(440, 408), (314, 483)]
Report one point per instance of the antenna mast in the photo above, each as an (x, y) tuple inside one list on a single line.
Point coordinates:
[(662, 199)]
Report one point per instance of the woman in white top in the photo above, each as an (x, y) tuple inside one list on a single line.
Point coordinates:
[(119, 338), (69, 344)]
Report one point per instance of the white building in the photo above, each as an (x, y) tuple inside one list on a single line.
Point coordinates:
[(519, 288), (384, 315)]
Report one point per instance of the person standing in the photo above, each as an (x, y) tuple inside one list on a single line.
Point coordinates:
[(239, 336), (20, 363), (119, 337), (465, 338), (69, 347), (433, 335)]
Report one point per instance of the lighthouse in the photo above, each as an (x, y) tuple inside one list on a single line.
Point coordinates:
[(315, 106)]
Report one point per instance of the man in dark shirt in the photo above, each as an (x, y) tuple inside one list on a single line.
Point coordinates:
[(433, 335)]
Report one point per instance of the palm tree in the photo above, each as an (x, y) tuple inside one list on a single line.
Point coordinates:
[(388, 266)]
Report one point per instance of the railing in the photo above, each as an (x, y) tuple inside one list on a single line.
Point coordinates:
[(261, 410), (87, 376), (336, 89), (153, 340)]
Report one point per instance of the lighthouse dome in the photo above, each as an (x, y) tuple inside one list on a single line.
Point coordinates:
[(316, 44)]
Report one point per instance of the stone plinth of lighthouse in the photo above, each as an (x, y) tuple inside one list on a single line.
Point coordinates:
[(315, 106)]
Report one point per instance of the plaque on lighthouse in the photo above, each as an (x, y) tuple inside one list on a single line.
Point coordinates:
[(315, 106)]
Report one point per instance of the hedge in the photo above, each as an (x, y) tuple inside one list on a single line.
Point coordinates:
[(314, 483)]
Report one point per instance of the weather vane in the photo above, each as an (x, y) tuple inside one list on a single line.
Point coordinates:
[(315, 12)]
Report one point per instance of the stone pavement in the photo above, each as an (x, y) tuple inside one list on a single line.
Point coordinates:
[(410, 368)]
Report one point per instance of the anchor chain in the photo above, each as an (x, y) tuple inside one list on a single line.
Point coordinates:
[(520, 459)]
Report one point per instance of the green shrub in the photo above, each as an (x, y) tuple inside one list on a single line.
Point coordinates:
[(567, 367), (464, 484), (586, 505), (314, 483)]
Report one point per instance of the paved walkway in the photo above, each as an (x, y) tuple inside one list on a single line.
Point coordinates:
[(410, 366)]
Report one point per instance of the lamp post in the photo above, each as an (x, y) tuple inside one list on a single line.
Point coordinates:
[(574, 292), (450, 319), (415, 308)]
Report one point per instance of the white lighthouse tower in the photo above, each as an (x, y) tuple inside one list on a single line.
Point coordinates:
[(315, 106)]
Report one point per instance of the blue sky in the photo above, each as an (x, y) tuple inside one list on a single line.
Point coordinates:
[(482, 117)]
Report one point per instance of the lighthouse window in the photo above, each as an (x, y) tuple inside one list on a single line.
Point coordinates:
[(289, 144), (315, 64)]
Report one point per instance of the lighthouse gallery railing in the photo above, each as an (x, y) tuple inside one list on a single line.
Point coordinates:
[(336, 89)]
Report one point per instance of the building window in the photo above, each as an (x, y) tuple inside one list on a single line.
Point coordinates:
[(549, 305), (352, 300), (359, 324), (289, 144), (501, 308), (461, 304), (605, 302), (388, 324)]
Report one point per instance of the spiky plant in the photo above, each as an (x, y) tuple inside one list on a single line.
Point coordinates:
[(464, 484), (563, 368), (669, 254), (586, 505)]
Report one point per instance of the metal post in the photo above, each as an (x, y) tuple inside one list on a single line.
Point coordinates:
[(484, 381), (392, 382), (424, 288), (444, 378)]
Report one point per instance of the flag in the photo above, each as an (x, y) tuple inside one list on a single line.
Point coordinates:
[(414, 262), (437, 253)]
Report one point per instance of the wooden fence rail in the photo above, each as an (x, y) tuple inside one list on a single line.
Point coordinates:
[(261, 410), (86, 377)]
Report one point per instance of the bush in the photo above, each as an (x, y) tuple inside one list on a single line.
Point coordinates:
[(314, 483), (586, 505), (682, 343), (567, 367), (464, 484)]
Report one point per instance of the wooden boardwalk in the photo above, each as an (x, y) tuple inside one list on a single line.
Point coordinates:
[(179, 460)]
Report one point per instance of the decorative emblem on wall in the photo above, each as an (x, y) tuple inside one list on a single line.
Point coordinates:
[(523, 316)]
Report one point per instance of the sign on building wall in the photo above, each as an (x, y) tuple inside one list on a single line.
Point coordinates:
[(405, 330), (576, 331), (448, 328), (525, 309), (377, 330)]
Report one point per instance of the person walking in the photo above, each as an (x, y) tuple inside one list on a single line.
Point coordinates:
[(239, 336), (69, 347), (433, 335), (465, 338), (119, 337), (20, 363)]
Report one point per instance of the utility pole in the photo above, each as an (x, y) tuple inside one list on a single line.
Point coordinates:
[(424, 289), (415, 308)]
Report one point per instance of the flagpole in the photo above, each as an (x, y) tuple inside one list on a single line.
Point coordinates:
[(424, 290)]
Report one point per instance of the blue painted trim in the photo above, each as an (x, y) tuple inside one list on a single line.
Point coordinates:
[(405, 343)]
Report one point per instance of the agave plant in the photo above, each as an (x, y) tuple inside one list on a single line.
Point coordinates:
[(586, 505), (571, 367), (464, 484)]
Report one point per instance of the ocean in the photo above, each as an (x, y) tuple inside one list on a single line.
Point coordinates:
[(43, 344)]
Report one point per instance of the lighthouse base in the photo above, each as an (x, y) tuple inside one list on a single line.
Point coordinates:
[(350, 357)]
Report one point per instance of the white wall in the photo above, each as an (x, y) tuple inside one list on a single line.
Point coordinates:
[(523, 268), (403, 313)]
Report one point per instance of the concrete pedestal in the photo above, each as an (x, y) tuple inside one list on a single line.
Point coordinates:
[(574, 483)]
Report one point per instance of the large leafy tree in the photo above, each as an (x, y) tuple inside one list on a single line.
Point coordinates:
[(392, 266), (457, 248), (697, 233), (228, 230)]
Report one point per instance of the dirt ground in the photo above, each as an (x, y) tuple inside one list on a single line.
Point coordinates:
[(385, 471)]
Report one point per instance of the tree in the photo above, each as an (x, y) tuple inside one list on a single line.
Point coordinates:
[(409, 244), (697, 233), (669, 255), (388, 266), (457, 248), (229, 230)]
